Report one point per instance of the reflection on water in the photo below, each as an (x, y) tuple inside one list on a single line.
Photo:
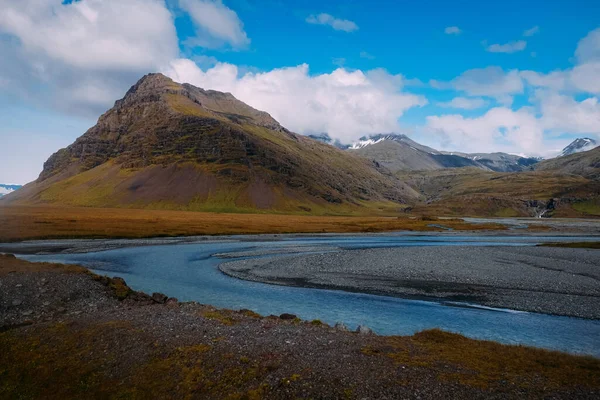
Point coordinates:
[(189, 272)]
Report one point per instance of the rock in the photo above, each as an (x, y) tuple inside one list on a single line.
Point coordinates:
[(46, 303), (341, 327), (172, 301), (364, 330), (159, 298), (287, 316), (17, 302), (61, 309), (27, 312)]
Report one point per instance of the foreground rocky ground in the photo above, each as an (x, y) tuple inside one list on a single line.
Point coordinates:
[(66, 333), (551, 280)]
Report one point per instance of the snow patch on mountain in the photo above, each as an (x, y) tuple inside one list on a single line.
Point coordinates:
[(579, 145)]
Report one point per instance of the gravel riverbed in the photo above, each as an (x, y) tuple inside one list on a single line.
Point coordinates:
[(561, 281)]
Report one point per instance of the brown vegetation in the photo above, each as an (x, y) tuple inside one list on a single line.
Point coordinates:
[(22, 223)]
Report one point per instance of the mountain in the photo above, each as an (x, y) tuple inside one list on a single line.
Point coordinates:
[(325, 138), (578, 145), (583, 163), (6, 189), (175, 146), (566, 186), (400, 153)]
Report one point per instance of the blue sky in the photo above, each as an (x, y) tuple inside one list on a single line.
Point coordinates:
[(520, 77)]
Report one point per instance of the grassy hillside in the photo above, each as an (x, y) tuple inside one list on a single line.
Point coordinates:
[(585, 164), (472, 192)]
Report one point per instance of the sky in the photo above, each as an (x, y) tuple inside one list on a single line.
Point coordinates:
[(472, 76)]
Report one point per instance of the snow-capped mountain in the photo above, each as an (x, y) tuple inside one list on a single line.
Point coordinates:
[(6, 189), (325, 138), (398, 152), (579, 145)]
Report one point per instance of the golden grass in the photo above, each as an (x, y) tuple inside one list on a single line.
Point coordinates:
[(9, 264), (486, 364), (45, 222)]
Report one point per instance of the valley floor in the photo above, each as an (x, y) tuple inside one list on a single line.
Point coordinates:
[(67, 333)]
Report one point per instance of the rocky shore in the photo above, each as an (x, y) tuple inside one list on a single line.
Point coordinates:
[(561, 281), (67, 333)]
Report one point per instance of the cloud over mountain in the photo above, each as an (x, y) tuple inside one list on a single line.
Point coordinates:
[(346, 104)]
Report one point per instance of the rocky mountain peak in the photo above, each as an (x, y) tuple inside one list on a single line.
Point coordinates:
[(579, 145)]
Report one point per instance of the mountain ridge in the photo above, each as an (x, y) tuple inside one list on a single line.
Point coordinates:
[(175, 146)]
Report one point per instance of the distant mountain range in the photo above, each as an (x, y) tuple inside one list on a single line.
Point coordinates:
[(6, 189), (397, 152), (400, 153)]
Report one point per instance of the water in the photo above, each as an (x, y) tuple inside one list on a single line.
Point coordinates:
[(189, 272)]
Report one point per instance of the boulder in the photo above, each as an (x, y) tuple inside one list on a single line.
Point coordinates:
[(159, 298), (287, 316)]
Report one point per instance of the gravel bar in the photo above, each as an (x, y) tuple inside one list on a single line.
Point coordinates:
[(560, 281)]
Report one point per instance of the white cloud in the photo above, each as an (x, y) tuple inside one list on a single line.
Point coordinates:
[(452, 30), (500, 128), (532, 31), (584, 78), (216, 23), (489, 82), (564, 114), (336, 23), (80, 57), (556, 80), (464, 103), (511, 47), (346, 104), (588, 48)]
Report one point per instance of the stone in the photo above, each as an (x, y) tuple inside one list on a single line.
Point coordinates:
[(341, 327), (159, 298), (17, 302), (364, 330), (287, 316), (27, 312), (172, 301)]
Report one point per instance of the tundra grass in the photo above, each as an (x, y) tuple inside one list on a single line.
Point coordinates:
[(37, 222)]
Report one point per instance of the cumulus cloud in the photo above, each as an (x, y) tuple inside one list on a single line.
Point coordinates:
[(336, 23), (215, 23), (452, 30), (499, 128), (557, 105), (490, 82), (511, 47), (464, 103), (346, 104), (79, 56), (588, 48), (561, 113), (532, 31)]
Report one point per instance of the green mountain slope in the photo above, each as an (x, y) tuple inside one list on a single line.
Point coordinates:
[(175, 146)]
